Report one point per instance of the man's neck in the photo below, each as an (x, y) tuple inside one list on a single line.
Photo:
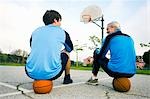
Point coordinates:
[(115, 32)]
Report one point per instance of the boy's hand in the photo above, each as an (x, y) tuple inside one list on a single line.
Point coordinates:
[(64, 51)]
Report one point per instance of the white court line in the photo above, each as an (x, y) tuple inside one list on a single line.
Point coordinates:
[(10, 94), (68, 85), (76, 83), (28, 91), (13, 87), (7, 85)]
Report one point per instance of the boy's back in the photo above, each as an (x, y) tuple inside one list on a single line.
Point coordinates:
[(46, 45)]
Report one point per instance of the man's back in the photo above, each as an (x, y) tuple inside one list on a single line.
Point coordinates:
[(123, 55)]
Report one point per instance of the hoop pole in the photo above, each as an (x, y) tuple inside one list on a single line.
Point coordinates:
[(102, 27)]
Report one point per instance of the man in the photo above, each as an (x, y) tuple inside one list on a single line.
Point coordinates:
[(47, 60), (122, 62)]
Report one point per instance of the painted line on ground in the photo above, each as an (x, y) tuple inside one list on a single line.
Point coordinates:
[(76, 83), (12, 87), (8, 85), (60, 86), (28, 91), (10, 94)]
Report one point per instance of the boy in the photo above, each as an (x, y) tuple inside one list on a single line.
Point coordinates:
[(47, 60)]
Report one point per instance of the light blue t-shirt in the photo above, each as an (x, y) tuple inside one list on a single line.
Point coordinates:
[(44, 61)]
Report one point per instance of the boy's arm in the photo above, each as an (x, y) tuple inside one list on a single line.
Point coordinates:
[(30, 41), (68, 43)]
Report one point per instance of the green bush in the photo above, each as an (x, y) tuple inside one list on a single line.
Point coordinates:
[(146, 57)]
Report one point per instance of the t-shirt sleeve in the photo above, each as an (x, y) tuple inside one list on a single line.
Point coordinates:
[(68, 43)]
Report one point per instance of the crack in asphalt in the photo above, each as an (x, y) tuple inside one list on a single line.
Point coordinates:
[(107, 94), (132, 94), (108, 97), (18, 87), (23, 93)]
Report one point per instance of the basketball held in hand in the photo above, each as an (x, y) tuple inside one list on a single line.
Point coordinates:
[(121, 84), (42, 86)]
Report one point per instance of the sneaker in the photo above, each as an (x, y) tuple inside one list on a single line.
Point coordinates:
[(92, 82), (67, 80)]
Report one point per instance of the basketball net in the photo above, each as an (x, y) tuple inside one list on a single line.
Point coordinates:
[(86, 18)]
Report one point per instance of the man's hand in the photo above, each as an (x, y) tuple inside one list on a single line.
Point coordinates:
[(140, 65), (88, 60)]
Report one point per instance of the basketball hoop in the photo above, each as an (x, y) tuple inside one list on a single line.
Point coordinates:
[(86, 18), (92, 14)]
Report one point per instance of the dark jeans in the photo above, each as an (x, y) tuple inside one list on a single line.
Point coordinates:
[(103, 62), (64, 59)]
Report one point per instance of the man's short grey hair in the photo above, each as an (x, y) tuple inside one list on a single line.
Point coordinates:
[(115, 24)]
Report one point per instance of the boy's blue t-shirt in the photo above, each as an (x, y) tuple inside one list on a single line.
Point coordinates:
[(44, 61)]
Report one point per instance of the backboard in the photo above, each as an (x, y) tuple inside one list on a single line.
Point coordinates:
[(91, 13)]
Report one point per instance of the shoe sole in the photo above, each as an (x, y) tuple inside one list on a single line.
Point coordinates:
[(94, 84), (68, 83)]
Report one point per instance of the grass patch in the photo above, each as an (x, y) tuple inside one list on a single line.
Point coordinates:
[(147, 72), (81, 68), (11, 64)]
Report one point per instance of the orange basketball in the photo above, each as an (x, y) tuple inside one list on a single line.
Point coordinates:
[(42, 86), (121, 84)]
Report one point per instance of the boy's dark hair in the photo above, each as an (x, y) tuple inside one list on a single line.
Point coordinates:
[(50, 15)]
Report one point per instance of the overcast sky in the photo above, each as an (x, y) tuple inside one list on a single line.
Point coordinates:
[(18, 18)]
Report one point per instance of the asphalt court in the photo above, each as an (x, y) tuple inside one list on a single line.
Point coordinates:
[(11, 90), (14, 84)]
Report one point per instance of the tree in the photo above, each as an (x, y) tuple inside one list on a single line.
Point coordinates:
[(146, 57), (3, 58), (17, 52), (78, 48), (0, 51), (145, 45), (24, 54), (20, 53), (95, 40)]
